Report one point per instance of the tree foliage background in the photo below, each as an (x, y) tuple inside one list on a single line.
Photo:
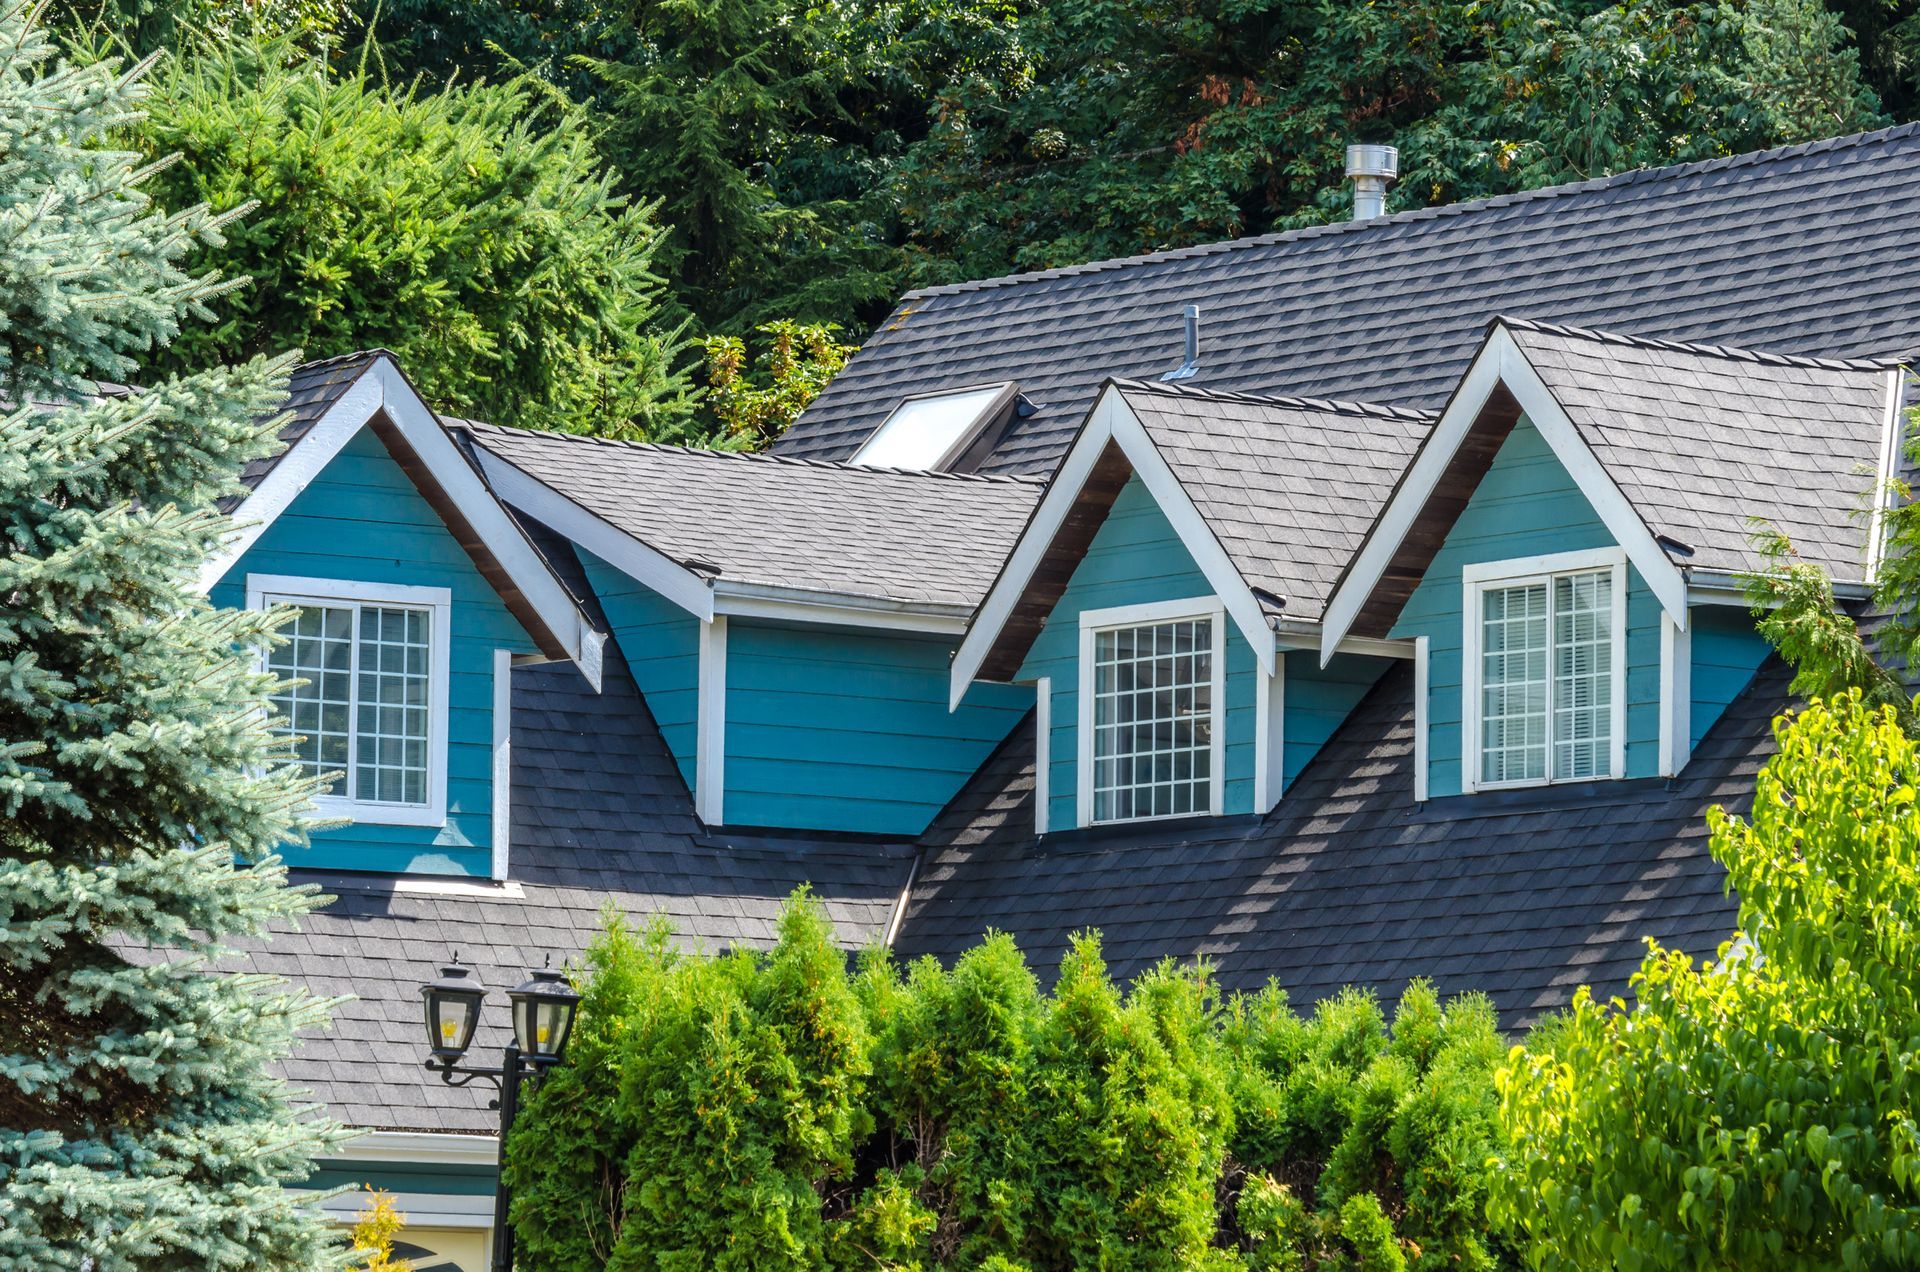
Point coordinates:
[(790, 162), (779, 1110)]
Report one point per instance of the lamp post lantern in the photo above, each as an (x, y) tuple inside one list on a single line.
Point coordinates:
[(543, 1009)]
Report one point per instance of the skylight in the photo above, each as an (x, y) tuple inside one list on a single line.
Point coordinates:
[(931, 431)]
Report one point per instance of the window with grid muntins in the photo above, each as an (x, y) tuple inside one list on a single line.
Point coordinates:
[(1153, 720), (1546, 679), (363, 713)]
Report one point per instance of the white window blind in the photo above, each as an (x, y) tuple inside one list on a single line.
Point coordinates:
[(1546, 672)]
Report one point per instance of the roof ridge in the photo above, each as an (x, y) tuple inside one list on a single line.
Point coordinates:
[(1632, 176), (1338, 406), (1728, 352), (758, 457), (317, 363)]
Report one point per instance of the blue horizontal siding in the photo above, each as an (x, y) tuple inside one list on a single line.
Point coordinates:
[(837, 729), (1135, 558), (361, 520), (1526, 505), (661, 643), (1727, 651), (1319, 699)]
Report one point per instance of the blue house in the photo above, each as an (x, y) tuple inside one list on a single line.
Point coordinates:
[(1344, 606)]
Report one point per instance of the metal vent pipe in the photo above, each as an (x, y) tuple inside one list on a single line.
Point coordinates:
[(1370, 168)]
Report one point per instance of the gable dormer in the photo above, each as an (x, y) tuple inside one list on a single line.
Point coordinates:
[(1164, 600), (1564, 551), (417, 594)]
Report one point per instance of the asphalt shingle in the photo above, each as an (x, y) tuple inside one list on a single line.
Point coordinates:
[(839, 528), (1526, 895), (1790, 249), (1701, 439)]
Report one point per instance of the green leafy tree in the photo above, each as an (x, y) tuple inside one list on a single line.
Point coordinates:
[(472, 231), (139, 1126), (1756, 1110), (754, 407), (1143, 126)]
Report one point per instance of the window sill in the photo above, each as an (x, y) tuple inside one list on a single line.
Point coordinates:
[(362, 813)]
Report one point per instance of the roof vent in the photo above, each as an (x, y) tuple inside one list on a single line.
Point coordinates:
[(1191, 363), (1370, 168)]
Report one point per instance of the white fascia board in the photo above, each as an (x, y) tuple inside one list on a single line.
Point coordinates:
[(425, 1147), (422, 1210), (304, 461), (381, 387), (1048, 516), (1722, 587), (1295, 634), (636, 560), (1110, 420), (802, 605), (1499, 361)]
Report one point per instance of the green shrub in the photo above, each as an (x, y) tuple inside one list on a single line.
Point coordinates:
[(778, 1110)]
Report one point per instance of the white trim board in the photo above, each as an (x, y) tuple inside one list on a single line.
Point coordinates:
[(1676, 696), (1110, 420), (1890, 435), (1499, 362), (499, 832), (382, 388), (710, 728), (1269, 736), (1042, 752)]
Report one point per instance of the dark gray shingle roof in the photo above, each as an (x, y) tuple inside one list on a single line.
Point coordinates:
[(1700, 439), (875, 532), (1525, 896), (600, 814), (1289, 486), (312, 389), (1798, 249)]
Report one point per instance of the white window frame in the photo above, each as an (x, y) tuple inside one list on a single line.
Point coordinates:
[(1095, 621), (265, 590), (1494, 575)]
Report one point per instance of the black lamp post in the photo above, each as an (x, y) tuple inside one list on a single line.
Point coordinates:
[(543, 1010)]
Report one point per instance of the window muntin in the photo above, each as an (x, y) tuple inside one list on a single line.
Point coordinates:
[(372, 714), (1152, 718), (931, 431), (1545, 676)]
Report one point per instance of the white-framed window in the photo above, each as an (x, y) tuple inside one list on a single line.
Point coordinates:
[(1543, 695), (930, 431), (1152, 717), (372, 711)]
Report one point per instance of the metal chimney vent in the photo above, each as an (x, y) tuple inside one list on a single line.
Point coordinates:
[(1191, 363), (1370, 168)]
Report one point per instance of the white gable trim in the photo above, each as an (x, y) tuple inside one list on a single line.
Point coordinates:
[(1500, 361), (1110, 420), (381, 387), (597, 535)]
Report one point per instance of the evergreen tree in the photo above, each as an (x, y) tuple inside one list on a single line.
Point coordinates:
[(474, 231), (139, 1127)]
